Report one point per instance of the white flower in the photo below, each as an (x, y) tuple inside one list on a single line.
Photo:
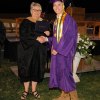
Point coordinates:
[(91, 43), (93, 47), (79, 47)]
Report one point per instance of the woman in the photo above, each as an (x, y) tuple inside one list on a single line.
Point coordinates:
[(32, 51), (2, 34), (2, 37), (63, 50)]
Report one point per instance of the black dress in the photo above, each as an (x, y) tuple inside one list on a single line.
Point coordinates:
[(2, 34), (32, 55)]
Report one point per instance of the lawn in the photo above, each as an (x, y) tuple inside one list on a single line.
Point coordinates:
[(11, 88)]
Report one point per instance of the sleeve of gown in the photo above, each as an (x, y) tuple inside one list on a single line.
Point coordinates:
[(50, 42), (68, 41), (27, 36), (50, 38)]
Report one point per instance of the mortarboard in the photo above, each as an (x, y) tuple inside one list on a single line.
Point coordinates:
[(52, 1), (66, 2)]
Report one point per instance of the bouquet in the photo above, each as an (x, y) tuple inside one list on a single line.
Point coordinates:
[(84, 45)]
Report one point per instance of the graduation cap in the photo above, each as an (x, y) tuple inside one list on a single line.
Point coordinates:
[(66, 2), (52, 1)]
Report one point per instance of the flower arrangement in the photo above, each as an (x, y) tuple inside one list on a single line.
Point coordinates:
[(84, 45)]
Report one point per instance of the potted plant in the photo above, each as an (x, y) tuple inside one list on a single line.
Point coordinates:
[(84, 46)]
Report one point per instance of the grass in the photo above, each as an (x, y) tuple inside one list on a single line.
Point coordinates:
[(11, 88)]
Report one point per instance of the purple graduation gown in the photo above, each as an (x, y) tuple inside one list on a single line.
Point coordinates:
[(61, 64)]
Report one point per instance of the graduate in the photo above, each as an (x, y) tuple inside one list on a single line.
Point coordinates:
[(63, 49)]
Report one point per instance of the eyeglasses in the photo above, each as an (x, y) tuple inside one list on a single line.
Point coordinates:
[(37, 10)]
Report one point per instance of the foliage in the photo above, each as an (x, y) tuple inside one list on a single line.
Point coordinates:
[(84, 45)]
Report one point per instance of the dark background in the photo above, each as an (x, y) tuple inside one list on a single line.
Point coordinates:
[(23, 6)]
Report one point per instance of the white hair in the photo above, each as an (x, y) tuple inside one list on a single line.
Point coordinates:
[(34, 4)]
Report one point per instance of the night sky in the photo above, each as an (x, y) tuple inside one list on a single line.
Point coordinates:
[(23, 6)]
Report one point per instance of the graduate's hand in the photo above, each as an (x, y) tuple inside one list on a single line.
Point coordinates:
[(47, 33), (41, 39), (54, 52)]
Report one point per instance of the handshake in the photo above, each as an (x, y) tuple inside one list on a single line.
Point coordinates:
[(43, 39)]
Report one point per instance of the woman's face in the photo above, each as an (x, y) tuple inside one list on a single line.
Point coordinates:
[(36, 12), (58, 7)]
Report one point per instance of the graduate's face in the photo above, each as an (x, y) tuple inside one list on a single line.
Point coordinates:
[(36, 12), (58, 7)]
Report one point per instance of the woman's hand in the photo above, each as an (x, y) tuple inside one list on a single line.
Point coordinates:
[(47, 33), (54, 52), (41, 39)]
